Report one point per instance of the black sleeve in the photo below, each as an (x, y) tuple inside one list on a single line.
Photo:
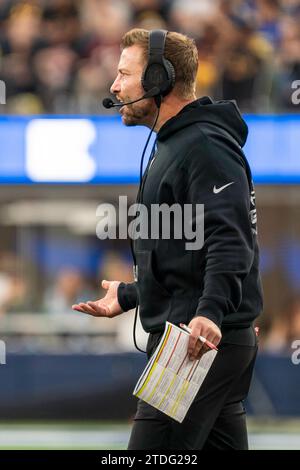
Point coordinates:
[(127, 296), (228, 238)]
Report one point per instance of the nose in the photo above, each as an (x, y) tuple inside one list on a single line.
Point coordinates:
[(115, 87)]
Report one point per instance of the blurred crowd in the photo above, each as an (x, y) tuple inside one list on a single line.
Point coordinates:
[(282, 328), (60, 56), (19, 294)]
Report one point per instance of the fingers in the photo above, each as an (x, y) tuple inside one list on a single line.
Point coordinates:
[(195, 347), (100, 309), (85, 308), (77, 308), (96, 309), (208, 330), (215, 340), (105, 284), (198, 350), (204, 349)]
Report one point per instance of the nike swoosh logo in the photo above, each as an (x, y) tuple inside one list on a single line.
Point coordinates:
[(218, 190)]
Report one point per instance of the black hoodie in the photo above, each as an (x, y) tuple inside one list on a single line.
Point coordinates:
[(199, 160)]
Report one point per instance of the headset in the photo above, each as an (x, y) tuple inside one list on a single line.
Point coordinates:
[(158, 77), (159, 71)]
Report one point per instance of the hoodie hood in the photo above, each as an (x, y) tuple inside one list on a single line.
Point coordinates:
[(222, 114)]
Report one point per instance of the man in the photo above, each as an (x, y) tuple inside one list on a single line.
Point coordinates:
[(215, 290)]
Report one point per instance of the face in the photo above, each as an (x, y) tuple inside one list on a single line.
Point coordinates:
[(127, 87)]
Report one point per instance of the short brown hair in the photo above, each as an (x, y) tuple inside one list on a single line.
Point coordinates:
[(180, 50)]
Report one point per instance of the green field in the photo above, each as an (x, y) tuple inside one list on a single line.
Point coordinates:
[(263, 434)]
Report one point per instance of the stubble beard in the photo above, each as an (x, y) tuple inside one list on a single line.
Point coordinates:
[(138, 114)]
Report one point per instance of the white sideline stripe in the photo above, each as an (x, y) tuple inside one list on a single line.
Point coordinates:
[(67, 438), (42, 437)]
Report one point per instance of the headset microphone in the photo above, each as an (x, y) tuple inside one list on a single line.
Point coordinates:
[(109, 103)]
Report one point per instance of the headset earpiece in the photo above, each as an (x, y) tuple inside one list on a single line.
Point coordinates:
[(159, 72)]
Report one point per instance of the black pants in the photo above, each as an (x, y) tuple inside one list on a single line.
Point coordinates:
[(216, 419)]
